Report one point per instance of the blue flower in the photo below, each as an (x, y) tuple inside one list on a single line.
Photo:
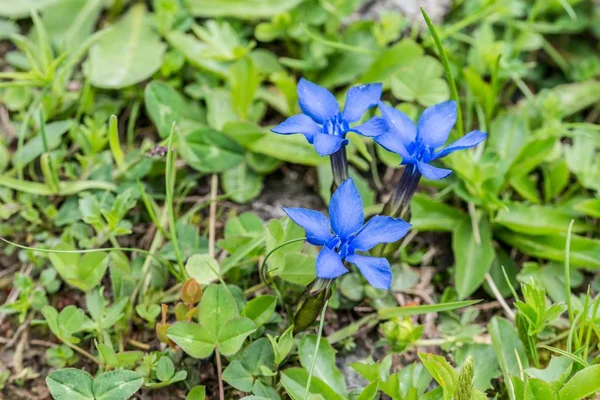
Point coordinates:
[(417, 144), (321, 121), (350, 234)]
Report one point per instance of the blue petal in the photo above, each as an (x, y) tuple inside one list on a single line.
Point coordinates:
[(376, 270), (359, 99), (346, 210), (299, 124), (436, 122), (471, 139), (329, 264), (316, 101), (314, 223), (380, 229), (391, 141), (399, 124), (374, 127), (431, 172), (328, 144)]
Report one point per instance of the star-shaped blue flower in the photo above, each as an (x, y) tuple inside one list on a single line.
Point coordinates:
[(417, 144), (350, 234), (321, 121)]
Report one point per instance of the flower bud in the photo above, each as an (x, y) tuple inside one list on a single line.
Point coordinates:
[(191, 292)]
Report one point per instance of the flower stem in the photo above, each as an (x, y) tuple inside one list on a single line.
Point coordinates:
[(339, 167), (314, 360), (219, 374), (399, 204)]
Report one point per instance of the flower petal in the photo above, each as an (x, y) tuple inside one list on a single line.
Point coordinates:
[(316, 101), (346, 210), (314, 223), (399, 124), (436, 122), (391, 141), (328, 144), (471, 139), (374, 127), (431, 172), (359, 99), (380, 229), (376, 270), (299, 124), (329, 264)]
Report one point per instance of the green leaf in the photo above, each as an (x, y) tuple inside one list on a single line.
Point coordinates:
[(217, 307), (298, 268), (241, 183), (202, 268), (244, 81), (260, 309), (556, 373), (442, 372), (584, 383), (245, 9), (507, 346), (35, 146), (194, 339), (294, 381), (589, 207), (290, 148), (129, 53), (531, 155), (257, 356), (584, 251), (233, 334), (325, 368), (83, 18), (421, 81), (387, 313), (390, 59), (198, 392), (22, 9), (117, 385), (239, 377), (536, 220), (369, 392), (208, 150), (431, 215), (163, 105), (70, 384), (484, 362), (165, 369), (472, 258)]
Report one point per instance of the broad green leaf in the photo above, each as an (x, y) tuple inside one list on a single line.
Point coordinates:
[(531, 155), (198, 392), (442, 372), (369, 392), (35, 147), (556, 373), (244, 81), (387, 313), (83, 16), (289, 148), (294, 381), (117, 385), (589, 207), (584, 251), (207, 150), (539, 389), (246, 9), (238, 376), (260, 309), (194, 339), (233, 334), (241, 183), (258, 355), (194, 51), (165, 369), (163, 105), (472, 258), (507, 346), (325, 368), (22, 9), (484, 362), (202, 268), (508, 134), (298, 268), (390, 59), (536, 220), (421, 81), (583, 384), (430, 215), (129, 53), (216, 308), (70, 384)]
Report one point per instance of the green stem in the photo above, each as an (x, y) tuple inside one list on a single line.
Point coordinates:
[(170, 185), (567, 272), (314, 361), (261, 269)]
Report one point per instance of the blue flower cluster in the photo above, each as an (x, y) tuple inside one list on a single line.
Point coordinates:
[(324, 126)]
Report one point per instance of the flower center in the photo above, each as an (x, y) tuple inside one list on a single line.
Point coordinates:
[(343, 247), (336, 125), (420, 151)]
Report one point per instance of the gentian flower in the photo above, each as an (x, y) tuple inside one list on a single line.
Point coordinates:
[(345, 233), (321, 121), (417, 144)]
